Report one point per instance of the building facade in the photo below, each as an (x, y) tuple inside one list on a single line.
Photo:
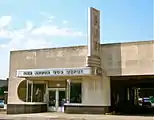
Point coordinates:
[(74, 79), (125, 59)]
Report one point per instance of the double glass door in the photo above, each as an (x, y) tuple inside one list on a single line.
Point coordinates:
[(56, 99)]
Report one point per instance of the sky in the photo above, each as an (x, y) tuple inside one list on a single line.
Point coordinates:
[(31, 24)]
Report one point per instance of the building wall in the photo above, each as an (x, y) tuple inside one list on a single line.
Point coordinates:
[(13, 91), (47, 58), (96, 91), (136, 58)]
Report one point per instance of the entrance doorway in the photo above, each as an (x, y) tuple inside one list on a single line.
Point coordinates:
[(56, 99)]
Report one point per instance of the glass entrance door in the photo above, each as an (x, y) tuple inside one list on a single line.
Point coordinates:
[(52, 100), (56, 99), (61, 100)]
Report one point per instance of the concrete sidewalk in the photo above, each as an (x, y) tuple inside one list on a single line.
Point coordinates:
[(63, 116)]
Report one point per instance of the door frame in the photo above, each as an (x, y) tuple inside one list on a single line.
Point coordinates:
[(56, 96)]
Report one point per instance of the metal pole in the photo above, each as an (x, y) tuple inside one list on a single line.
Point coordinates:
[(128, 94)]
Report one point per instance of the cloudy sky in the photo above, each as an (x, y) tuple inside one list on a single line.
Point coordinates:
[(27, 24)]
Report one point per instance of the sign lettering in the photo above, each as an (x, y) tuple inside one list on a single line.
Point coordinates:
[(27, 73), (58, 72), (53, 72), (70, 72), (42, 73)]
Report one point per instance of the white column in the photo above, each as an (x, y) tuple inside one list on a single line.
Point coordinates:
[(46, 96), (57, 99), (68, 91), (31, 91), (27, 90)]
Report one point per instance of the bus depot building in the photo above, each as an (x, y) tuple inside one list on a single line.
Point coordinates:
[(79, 79), (40, 79)]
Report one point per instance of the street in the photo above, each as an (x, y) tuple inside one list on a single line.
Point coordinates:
[(63, 116)]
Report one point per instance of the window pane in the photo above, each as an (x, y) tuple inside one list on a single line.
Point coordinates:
[(29, 92), (22, 90), (75, 93), (38, 92), (52, 98)]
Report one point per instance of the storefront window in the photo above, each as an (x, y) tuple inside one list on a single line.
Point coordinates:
[(75, 93), (31, 92)]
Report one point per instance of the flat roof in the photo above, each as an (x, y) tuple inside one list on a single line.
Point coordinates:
[(82, 46)]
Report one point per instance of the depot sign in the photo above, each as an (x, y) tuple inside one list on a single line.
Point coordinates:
[(54, 72)]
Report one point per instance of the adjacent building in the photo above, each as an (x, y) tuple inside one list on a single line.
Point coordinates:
[(3, 90)]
